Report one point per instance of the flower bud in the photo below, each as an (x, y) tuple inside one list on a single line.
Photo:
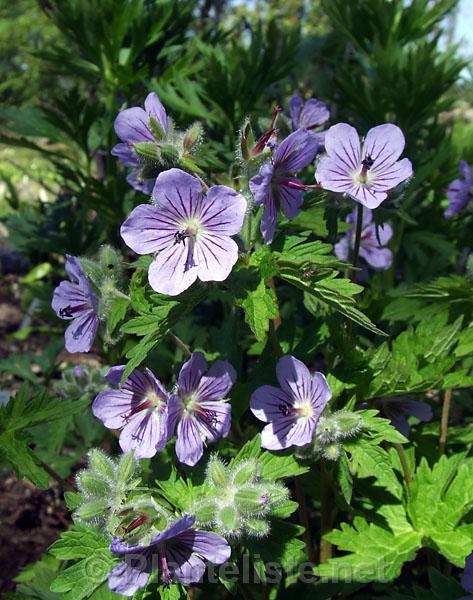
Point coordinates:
[(328, 430), (257, 527), (247, 140), (204, 512), (192, 137), (350, 423), (252, 500), (147, 150), (92, 509), (331, 452), (228, 519), (169, 155), (245, 472), (126, 467), (110, 261), (92, 485), (156, 129), (216, 472), (100, 463)]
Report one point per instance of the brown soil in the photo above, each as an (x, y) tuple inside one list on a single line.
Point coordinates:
[(30, 520)]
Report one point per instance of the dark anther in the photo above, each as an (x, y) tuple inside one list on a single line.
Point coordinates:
[(284, 409), (180, 236), (66, 312), (367, 161)]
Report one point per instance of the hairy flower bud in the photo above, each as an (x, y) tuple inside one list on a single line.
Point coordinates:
[(105, 485), (252, 500), (228, 519), (216, 471), (245, 472), (192, 137)]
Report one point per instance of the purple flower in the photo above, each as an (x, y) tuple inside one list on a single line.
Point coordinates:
[(309, 114), (75, 300), (178, 553), (398, 409), (139, 407), (198, 406), (190, 231), (467, 578), (275, 186), (291, 411), (371, 249), (135, 125), (366, 173), (459, 191)]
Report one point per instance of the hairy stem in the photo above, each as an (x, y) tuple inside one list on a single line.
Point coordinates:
[(326, 508), (356, 250), (180, 344), (447, 399)]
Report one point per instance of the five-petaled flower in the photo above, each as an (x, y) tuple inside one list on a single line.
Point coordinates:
[(275, 185), (309, 114), (139, 407), (198, 407), (178, 553), (365, 172), (460, 191), (372, 242), (134, 126), (76, 300), (192, 232), (291, 411)]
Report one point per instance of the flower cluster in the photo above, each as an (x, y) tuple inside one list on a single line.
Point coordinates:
[(188, 229), (148, 415)]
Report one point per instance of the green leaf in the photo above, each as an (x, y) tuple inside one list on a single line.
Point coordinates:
[(447, 489), (118, 308), (154, 326), (26, 410), (331, 290), (94, 563), (260, 306), (375, 553), (14, 448), (278, 466)]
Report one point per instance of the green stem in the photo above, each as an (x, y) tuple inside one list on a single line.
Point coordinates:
[(180, 344), (356, 250), (326, 511), (405, 467), (304, 519), (249, 226), (52, 473), (447, 399)]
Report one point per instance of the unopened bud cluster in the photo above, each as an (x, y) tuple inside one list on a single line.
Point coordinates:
[(331, 430), (81, 380), (104, 487), (172, 149), (238, 501)]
